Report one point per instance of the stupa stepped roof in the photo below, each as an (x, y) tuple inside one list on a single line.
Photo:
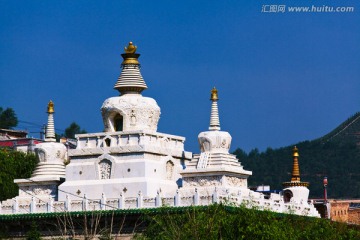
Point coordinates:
[(130, 79), (211, 162)]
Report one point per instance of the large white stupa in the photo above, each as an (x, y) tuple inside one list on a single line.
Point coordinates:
[(130, 156)]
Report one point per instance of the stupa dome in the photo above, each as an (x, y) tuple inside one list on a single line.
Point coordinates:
[(214, 141), (130, 112), (51, 157)]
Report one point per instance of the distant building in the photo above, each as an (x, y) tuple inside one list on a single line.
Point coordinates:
[(18, 140), (347, 210), (12, 134)]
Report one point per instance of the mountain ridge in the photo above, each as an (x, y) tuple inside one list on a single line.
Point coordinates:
[(335, 155)]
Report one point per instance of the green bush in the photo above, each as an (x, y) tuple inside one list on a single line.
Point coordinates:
[(222, 222), (13, 165)]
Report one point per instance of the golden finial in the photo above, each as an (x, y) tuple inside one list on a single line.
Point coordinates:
[(130, 57), (295, 152), (50, 108), (214, 94), (130, 48)]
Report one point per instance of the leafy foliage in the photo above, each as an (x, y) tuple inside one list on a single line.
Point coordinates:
[(197, 222), (222, 222), (33, 233), (8, 119), (72, 130), (336, 155), (14, 165)]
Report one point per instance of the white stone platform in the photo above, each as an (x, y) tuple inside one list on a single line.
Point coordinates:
[(129, 161)]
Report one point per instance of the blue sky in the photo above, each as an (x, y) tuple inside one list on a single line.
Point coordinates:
[(282, 77)]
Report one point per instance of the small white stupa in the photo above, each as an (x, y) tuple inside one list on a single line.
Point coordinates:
[(214, 167), (295, 190), (50, 170)]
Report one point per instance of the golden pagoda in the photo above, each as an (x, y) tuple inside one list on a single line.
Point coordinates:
[(295, 178)]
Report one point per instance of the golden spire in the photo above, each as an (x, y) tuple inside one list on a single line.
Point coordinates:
[(50, 107), (130, 48), (130, 57), (295, 177), (296, 171), (214, 94), (214, 115)]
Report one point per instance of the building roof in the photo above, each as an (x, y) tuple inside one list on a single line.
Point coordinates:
[(10, 134)]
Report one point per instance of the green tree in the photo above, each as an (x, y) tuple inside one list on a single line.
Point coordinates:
[(8, 119), (73, 129), (14, 164)]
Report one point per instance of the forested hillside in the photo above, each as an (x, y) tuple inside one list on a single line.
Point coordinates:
[(335, 155)]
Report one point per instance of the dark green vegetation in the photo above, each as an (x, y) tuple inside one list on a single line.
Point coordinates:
[(335, 155), (33, 233), (223, 222), (13, 165), (202, 222), (8, 119), (71, 131)]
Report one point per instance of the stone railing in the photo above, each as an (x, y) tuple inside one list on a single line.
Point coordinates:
[(123, 141), (253, 200)]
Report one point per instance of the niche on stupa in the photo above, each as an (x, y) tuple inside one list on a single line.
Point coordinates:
[(205, 145), (114, 122), (41, 155), (118, 121), (169, 170), (105, 169), (287, 195), (105, 166)]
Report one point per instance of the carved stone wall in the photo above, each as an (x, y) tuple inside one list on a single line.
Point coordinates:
[(235, 181), (203, 181), (26, 191)]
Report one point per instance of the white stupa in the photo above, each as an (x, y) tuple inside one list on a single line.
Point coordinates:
[(50, 170), (214, 166), (130, 157), (296, 190)]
